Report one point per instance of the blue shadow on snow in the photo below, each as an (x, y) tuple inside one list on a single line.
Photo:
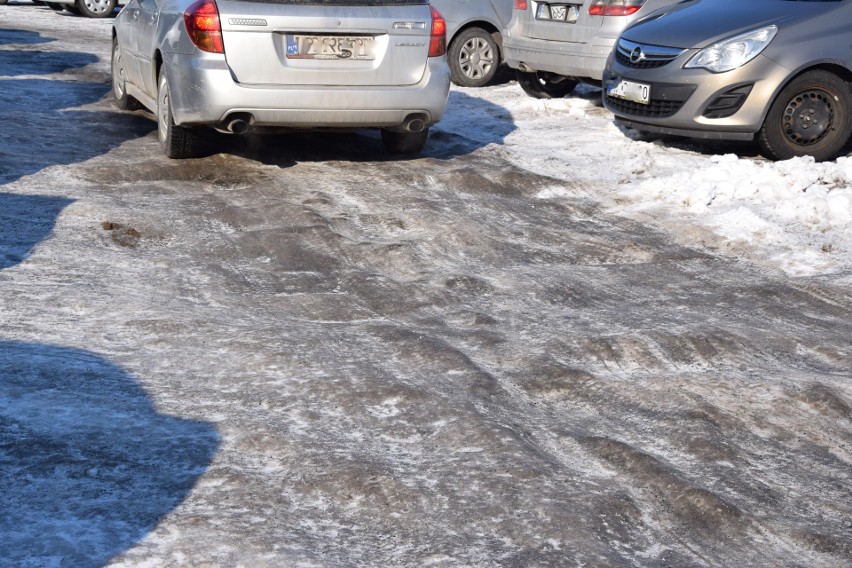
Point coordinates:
[(25, 221), (87, 464), (22, 37)]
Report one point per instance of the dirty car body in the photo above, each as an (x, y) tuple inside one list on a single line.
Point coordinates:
[(239, 65)]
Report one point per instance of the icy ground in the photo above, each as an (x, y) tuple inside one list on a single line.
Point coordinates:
[(543, 343)]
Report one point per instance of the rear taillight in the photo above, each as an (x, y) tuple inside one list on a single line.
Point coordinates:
[(614, 7), (520, 5), (438, 41), (202, 25)]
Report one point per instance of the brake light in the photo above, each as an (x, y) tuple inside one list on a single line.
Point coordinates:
[(520, 5), (614, 7), (438, 41), (202, 25)]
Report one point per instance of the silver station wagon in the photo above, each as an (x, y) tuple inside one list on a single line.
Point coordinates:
[(243, 65)]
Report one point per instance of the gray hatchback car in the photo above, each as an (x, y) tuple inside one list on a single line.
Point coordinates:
[(775, 71), (238, 65)]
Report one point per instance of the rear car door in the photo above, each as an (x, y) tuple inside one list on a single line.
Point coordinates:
[(146, 37), (329, 43)]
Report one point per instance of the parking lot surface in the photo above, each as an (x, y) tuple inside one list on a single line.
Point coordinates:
[(297, 351)]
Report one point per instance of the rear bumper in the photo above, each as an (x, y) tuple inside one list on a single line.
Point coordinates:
[(203, 91), (580, 60)]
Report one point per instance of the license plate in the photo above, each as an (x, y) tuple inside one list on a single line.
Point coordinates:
[(329, 47), (630, 91), (557, 12)]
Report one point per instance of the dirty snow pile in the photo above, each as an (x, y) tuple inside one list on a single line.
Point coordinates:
[(795, 215)]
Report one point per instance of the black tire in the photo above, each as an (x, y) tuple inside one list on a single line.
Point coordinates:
[(177, 142), (474, 57), (36, 2), (119, 81), (397, 142), (96, 8), (541, 85), (3, 2), (812, 116)]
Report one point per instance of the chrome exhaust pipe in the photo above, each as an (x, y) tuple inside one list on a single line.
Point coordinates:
[(414, 123), (237, 126), (237, 123)]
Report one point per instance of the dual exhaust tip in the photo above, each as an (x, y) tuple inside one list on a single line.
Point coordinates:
[(240, 123)]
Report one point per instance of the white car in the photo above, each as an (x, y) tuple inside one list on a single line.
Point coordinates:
[(239, 65)]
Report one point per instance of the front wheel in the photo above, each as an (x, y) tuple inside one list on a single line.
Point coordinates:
[(177, 142), (541, 85), (812, 116), (397, 142), (96, 8), (473, 58)]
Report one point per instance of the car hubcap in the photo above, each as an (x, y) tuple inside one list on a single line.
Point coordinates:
[(98, 6), (809, 117), (476, 58)]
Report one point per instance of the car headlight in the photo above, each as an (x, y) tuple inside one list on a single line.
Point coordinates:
[(733, 52)]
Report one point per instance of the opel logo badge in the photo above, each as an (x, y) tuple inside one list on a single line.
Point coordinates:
[(636, 55)]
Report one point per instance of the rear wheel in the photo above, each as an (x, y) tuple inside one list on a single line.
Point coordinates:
[(397, 142), (96, 8), (541, 85), (473, 58), (812, 116), (177, 142), (119, 81)]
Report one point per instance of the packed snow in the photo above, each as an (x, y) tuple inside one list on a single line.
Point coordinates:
[(794, 214)]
